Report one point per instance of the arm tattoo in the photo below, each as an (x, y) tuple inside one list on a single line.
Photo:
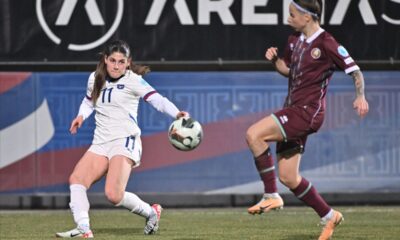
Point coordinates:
[(358, 79)]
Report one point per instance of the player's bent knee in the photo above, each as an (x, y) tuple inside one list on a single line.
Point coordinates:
[(288, 181), (251, 136), (114, 196), (75, 179)]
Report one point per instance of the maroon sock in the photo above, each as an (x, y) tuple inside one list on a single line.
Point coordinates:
[(266, 169), (309, 195)]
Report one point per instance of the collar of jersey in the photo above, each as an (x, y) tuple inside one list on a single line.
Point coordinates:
[(313, 37), (110, 79)]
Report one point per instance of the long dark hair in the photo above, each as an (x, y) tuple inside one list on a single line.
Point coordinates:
[(314, 6), (101, 69)]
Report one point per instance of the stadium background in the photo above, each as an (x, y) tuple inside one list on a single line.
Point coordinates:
[(208, 58)]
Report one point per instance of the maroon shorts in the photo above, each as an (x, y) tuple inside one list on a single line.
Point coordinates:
[(296, 123)]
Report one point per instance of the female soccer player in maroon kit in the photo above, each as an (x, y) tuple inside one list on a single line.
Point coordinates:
[(309, 60)]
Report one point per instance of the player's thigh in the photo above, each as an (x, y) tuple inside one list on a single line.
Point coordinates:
[(119, 170), (266, 129), (289, 169), (90, 168)]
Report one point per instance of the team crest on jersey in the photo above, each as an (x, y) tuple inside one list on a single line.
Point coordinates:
[(342, 51), (120, 86), (315, 53)]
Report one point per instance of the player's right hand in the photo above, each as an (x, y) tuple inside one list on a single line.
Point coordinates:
[(182, 114), (360, 104), (271, 54), (76, 123)]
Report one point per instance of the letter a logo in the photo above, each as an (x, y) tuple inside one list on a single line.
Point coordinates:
[(94, 16), (91, 9)]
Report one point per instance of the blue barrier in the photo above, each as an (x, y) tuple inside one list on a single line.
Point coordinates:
[(346, 155)]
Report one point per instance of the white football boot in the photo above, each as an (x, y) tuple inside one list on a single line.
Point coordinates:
[(75, 233), (152, 222)]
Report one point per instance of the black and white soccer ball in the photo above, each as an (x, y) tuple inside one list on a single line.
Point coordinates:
[(185, 134)]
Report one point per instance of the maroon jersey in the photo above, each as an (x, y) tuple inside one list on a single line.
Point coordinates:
[(312, 62)]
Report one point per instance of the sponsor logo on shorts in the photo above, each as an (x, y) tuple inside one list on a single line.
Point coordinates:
[(284, 119)]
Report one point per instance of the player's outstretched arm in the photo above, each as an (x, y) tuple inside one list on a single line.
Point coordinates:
[(162, 104), (360, 104), (272, 55)]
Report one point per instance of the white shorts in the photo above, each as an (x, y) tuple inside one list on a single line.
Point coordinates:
[(130, 147)]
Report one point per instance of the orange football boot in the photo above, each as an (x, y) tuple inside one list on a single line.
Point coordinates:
[(330, 225), (265, 205)]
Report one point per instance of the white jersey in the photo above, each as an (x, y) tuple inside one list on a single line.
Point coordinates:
[(117, 106)]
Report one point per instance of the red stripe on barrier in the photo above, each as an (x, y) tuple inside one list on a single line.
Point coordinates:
[(51, 168), (40, 169), (9, 80), (223, 137)]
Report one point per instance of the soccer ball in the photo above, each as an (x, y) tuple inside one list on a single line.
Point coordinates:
[(185, 134)]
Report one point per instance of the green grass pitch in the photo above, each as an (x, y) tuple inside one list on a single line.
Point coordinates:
[(291, 223)]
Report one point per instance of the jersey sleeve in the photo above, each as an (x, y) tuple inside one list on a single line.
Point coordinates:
[(86, 108), (163, 105), (89, 87), (340, 57), (142, 88)]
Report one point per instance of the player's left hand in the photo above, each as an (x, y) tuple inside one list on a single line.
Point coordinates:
[(360, 104), (182, 114)]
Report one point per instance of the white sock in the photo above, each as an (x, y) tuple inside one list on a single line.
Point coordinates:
[(328, 216), (272, 195), (136, 205), (80, 206)]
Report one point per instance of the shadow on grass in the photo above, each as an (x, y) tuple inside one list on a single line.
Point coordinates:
[(194, 238), (119, 231), (300, 236)]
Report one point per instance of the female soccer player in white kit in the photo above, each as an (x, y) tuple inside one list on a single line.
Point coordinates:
[(114, 91)]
